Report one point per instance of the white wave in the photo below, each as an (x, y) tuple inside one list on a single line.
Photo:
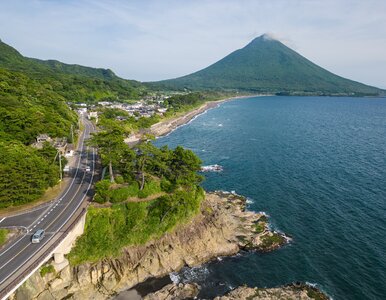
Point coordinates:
[(314, 285), (195, 274), (250, 200), (174, 277), (220, 125)]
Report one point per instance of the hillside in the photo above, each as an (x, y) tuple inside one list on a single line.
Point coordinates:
[(11, 59), (27, 109), (33, 96), (266, 65), (73, 82)]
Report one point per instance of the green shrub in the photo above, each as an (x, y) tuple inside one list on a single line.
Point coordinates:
[(3, 236), (259, 227), (46, 269), (119, 179), (102, 192), (166, 185), (119, 195), (150, 188)]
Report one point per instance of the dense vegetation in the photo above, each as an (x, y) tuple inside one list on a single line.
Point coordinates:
[(148, 192), (268, 66), (25, 173), (33, 96), (108, 230), (73, 82), (28, 108)]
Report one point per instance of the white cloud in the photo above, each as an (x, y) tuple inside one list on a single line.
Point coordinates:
[(151, 40)]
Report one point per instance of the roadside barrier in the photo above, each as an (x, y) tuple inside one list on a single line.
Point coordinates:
[(60, 237)]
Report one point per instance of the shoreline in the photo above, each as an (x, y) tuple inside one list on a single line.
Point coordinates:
[(223, 227), (165, 127)]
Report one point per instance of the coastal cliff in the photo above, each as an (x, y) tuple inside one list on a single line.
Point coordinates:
[(223, 227)]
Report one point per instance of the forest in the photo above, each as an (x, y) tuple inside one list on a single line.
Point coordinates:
[(27, 109)]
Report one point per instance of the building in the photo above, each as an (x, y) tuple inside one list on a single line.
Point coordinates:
[(70, 151)]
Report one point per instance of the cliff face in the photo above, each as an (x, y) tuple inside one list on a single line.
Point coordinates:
[(296, 291), (222, 228), (292, 291)]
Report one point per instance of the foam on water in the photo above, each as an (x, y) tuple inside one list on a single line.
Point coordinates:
[(318, 166)]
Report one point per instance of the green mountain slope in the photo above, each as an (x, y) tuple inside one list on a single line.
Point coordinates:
[(33, 96), (29, 108), (267, 65), (73, 82), (11, 59)]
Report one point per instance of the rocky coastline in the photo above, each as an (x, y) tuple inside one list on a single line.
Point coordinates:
[(299, 291), (222, 228)]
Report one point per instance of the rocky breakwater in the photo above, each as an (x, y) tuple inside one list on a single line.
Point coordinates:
[(223, 227)]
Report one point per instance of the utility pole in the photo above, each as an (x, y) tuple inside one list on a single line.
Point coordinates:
[(60, 166), (72, 134)]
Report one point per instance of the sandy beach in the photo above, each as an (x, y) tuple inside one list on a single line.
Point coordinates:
[(166, 126)]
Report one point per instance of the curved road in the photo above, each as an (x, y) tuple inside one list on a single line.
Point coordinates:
[(51, 217)]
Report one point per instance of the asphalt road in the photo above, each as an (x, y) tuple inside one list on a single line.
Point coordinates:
[(51, 217)]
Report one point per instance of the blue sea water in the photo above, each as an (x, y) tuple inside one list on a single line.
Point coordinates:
[(317, 166)]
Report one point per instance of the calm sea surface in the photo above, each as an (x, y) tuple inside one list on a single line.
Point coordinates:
[(317, 166)]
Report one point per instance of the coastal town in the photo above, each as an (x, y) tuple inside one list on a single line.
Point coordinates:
[(146, 107)]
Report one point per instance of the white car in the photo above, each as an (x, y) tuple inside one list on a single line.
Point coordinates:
[(37, 236), (88, 169)]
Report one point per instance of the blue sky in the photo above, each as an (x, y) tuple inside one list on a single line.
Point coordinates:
[(153, 40)]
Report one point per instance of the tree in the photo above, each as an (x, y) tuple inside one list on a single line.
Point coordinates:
[(110, 144), (145, 153), (184, 166)]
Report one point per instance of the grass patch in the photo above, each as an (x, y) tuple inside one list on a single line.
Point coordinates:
[(3, 236), (269, 241), (107, 193), (110, 229), (315, 294), (259, 227), (46, 270)]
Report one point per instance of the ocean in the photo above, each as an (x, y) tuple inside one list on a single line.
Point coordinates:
[(317, 166)]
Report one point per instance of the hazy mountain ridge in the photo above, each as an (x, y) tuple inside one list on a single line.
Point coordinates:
[(13, 60), (266, 65), (75, 83)]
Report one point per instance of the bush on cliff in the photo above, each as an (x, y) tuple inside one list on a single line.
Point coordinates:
[(110, 229)]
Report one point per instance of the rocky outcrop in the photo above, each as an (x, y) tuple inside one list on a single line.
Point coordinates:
[(222, 228), (175, 292), (293, 291)]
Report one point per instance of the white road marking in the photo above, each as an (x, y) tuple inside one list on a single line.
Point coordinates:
[(61, 226), (2, 220)]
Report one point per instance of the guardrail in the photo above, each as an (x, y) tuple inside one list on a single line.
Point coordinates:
[(42, 257)]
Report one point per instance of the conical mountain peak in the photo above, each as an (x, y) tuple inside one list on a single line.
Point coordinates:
[(266, 65)]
